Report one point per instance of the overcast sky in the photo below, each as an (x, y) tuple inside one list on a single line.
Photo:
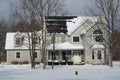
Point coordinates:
[(74, 7)]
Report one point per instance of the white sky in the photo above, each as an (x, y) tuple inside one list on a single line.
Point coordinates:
[(77, 7), (74, 7)]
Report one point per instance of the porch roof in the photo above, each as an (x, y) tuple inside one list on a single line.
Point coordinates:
[(98, 46), (65, 46)]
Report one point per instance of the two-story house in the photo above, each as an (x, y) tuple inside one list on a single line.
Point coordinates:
[(85, 42)]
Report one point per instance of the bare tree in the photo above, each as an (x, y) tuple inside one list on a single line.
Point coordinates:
[(31, 14), (3, 29), (110, 11)]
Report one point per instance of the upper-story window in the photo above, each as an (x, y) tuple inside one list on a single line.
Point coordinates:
[(76, 39), (18, 39), (63, 39), (52, 39), (98, 36), (36, 39)]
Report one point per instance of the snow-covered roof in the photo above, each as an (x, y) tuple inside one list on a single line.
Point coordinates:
[(10, 42), (65, 46), (77, 22), (98, 46), (87, 28), (72, 25)]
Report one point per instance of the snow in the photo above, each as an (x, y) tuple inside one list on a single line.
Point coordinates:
[(65, 46), (10, 40), (74, 24), (98, 46), (77, 22), (10, 44), (67, 72)]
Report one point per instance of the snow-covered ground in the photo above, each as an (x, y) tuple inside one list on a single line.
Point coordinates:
[(85, 72)]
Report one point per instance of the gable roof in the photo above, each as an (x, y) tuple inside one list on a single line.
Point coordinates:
[(75, 23), (10, 41), (10, 44)]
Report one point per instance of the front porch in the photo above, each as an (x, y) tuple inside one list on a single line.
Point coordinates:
[(66, 57)]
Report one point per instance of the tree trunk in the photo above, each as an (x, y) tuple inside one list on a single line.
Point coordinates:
[(53, 54)]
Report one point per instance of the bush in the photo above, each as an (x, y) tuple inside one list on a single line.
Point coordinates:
[(19, 62), (49, 63), (14, 62), (63, 63), (70, 63), (25, 62), (56, 63), (37, 62)]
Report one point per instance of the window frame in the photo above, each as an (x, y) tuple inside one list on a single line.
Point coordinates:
[(36, 54), (100, 34), (18, 41), (51, 40), (18, 55), (63, 39), (93, 54), (99, 53), (76, 37)]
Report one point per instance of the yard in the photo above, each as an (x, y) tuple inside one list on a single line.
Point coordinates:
[(65, 72)]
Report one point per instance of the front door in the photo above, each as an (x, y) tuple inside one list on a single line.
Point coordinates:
[(77, 58)]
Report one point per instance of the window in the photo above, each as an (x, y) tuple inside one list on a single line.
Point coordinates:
[(75, 39), (35, 54), (17, 54), (104, 54), (52, 39), (18, 41), (49, 55), (62, 39), (93, 57), (36, 39), (98, 35), (99, 54)]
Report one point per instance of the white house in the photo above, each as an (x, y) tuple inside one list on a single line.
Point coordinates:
[(85, 42)]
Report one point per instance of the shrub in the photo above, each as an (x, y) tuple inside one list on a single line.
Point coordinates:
[(25, 62), (14, 62), (70, 63), (37, 62)]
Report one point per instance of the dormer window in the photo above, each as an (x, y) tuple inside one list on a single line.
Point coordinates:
[(36, 39), (18, 41), (98, 36)]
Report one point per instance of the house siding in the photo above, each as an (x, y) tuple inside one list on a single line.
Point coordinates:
[(24, 56), (88, 42)]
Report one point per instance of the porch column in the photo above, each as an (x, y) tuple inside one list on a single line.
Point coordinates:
[(72, 54), (60, 57), (47, 57)]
